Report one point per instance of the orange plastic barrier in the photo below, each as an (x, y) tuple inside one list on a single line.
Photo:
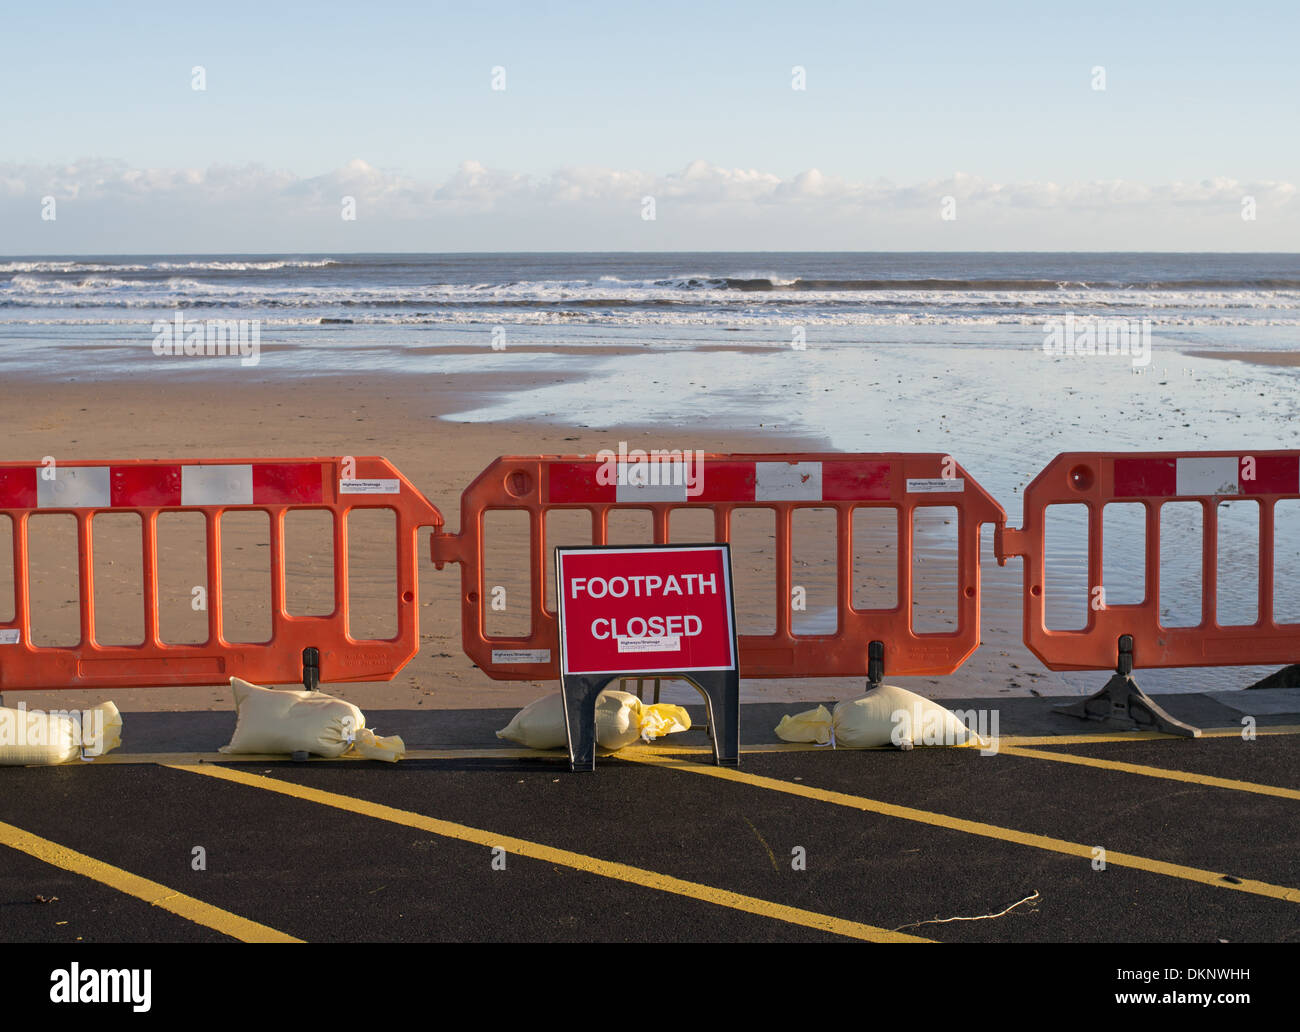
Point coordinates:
[(1095, 479), (307, 648), (722, 485)]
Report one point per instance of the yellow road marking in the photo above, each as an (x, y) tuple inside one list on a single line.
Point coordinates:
[(665, 749), (142, 888), (170, 759), (1141, 736), (1155, 772), (941, 820), (562, 857)]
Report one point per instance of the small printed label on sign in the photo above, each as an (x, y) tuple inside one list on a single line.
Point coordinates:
[(379, 486), (10, 636), (521, 655), (664, 643), (935, 485)]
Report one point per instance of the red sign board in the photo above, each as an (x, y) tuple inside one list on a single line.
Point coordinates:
[(656, 609)]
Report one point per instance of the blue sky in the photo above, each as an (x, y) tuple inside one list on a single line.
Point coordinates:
[(911, 95)]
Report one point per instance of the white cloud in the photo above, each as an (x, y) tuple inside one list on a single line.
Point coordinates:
[(702, 205)]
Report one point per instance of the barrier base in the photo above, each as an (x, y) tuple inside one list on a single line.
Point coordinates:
[(1121, 703), (1287, 677)]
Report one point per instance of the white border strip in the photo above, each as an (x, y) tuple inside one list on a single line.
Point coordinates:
[(730, 604)]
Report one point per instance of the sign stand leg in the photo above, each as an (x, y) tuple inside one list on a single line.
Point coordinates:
[(721, 691), (580, 694)]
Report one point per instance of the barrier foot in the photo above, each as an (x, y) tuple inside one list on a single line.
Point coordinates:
[(1287, 677), (1121, 703)]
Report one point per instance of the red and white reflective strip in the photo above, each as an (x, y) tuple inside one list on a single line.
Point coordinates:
[(152, 486), (1200, 475), (687, 480)]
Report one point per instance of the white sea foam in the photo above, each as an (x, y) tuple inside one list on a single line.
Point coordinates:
[(92, 284), (180, 297), (220, 266), (648, 303), (68, 267), (226, 266)]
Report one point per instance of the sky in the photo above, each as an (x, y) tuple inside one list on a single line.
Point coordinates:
[(938, 126)]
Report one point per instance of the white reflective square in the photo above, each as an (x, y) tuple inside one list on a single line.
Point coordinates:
[(787, 482), (217, 485), (1208, 475), (651, 492), (73, 487)]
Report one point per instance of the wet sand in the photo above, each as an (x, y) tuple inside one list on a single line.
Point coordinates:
[(1269, 358)]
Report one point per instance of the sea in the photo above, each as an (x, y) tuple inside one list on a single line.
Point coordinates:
[(1239, 300)]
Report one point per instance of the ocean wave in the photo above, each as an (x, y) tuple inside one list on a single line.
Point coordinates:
[(227, 266), (74, 267), (30, 284), (800, 284), (180, 292), (562, 317), (705, 319), (633, 320), (63, 267)]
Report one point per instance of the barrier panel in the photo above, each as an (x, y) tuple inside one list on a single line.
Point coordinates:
[(865, 641), (299, 647), (1125, 636)]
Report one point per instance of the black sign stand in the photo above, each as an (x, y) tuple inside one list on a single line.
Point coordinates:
[(721, 691)]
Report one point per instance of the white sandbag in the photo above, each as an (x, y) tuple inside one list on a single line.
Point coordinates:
[(274, 721), (621, 719), (886, 715), (540, 724), (30, 737)]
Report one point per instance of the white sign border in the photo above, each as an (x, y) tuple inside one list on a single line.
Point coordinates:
[(722, 546)]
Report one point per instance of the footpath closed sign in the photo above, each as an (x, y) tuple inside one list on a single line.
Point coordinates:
[(661, 609), (649, 610)]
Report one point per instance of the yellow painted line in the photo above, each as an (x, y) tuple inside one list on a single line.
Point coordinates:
[(1141, 736), (656, 749), (170, 759), (993, 831), (668, 749), (1099, 736), (562, 857), (1154, 772), (142, 888)]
